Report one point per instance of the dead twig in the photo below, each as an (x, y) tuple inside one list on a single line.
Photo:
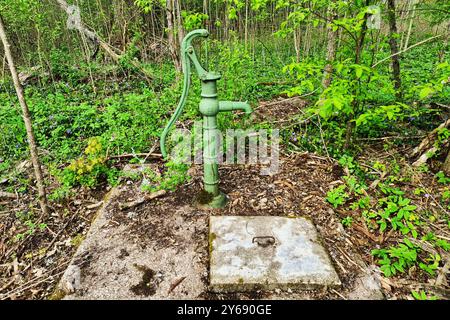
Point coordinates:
[(175, 284), (7, 195), (349, 259), (94, 205), (32, 283), (409, 48), (339, 294), (132, 204), (368, 234), (134, 155)]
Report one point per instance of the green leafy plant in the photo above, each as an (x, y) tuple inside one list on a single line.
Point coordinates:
[(362, 203), (89, 169), (437, 84), (193, 20), (337, 196), (26, 218), (422, 295), (347, 222), (396, 259), (355, 186), (430, 264), (442, 178), (398, 213), (443, 244), (175, 175)]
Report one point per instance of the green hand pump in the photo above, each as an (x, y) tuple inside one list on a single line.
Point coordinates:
[(209, 106)]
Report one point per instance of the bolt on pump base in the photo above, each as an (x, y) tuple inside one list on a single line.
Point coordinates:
[(210, 106)]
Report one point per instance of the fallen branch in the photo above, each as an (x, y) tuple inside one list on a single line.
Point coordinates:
[(114, 53), (367, 233), (94, 205), (390, 137), (7, 195), (135, 155), (409, 48), (147, 197), (425, 156), (440, 105), (429, 139)]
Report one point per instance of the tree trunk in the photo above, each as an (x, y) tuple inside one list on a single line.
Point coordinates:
[(179, 25), (170, 9), (246, 24), (442, 51), (412, 15), (297, 35), (27, 120), (394, 48), (358, 52), (331, 51)]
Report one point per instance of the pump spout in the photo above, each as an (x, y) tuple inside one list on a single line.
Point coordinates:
[(235, 105)]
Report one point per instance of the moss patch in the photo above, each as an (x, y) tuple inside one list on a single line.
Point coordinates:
[(58, 294), (212, 237), (204, 197), (147, 286)]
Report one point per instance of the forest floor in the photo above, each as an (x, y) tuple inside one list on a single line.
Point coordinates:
[(33, 264), (168, 235)]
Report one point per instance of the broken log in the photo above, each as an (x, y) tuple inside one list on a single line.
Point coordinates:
[(425, 156), (429, 139)]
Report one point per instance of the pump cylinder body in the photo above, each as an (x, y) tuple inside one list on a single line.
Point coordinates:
[(209, 107)]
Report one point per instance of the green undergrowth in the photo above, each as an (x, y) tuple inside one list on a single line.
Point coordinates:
[(404, 217)]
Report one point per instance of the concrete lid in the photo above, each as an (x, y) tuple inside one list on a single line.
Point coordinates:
[(265, 252)]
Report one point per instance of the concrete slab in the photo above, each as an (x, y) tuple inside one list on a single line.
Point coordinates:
[(264, 252), (110, 264)]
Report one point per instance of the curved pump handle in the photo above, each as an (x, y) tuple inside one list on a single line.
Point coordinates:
[(187, 52)]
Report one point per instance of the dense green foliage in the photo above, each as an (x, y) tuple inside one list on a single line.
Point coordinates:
[(88, 106)]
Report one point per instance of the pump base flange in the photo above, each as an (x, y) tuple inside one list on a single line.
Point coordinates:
[(217, 202)]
